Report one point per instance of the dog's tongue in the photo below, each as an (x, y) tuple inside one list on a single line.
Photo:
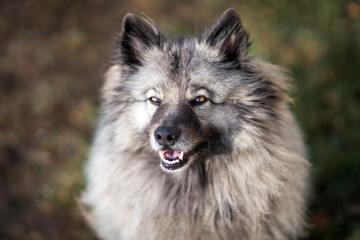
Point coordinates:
[(171, 154)]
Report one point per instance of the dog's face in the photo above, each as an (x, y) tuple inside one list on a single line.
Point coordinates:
[(180, 105), (190, 95), (181, 110)]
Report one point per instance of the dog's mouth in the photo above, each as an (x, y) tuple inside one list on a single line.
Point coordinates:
[(173, 160)]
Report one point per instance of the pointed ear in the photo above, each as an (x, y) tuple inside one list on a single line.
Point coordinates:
[(137, 36), (229, 36)]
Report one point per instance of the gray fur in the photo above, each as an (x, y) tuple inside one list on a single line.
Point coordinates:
[(250, 179)]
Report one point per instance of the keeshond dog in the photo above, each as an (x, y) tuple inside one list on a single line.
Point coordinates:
[(195, 141)]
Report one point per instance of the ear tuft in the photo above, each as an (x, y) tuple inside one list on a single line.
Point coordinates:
[(230, 37), (137, 36)]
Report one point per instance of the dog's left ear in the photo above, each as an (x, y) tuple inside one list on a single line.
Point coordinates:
[(138, 35), (229, 36)]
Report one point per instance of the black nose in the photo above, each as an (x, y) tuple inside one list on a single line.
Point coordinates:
[(166, 136)]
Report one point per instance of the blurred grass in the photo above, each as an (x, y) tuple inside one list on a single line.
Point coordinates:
[(52, 57)]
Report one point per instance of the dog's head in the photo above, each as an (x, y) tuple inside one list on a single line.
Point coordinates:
[(187, 96)]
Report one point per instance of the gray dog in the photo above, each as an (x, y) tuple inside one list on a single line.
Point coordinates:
[(195, 141)]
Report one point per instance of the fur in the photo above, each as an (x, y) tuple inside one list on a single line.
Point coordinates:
[(246, 175)]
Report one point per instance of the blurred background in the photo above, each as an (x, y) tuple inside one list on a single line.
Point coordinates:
[(52, 57)]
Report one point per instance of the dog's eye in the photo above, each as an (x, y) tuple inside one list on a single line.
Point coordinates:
[(154, 101), (199, 100)]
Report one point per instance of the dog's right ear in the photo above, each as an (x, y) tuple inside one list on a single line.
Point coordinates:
[(137, 36), (229, 36)]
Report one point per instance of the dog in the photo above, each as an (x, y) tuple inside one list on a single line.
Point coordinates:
[(195, 141)]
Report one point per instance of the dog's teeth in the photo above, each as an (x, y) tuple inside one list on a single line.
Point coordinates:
[(162, 156), (181, 156), (171, 162)]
